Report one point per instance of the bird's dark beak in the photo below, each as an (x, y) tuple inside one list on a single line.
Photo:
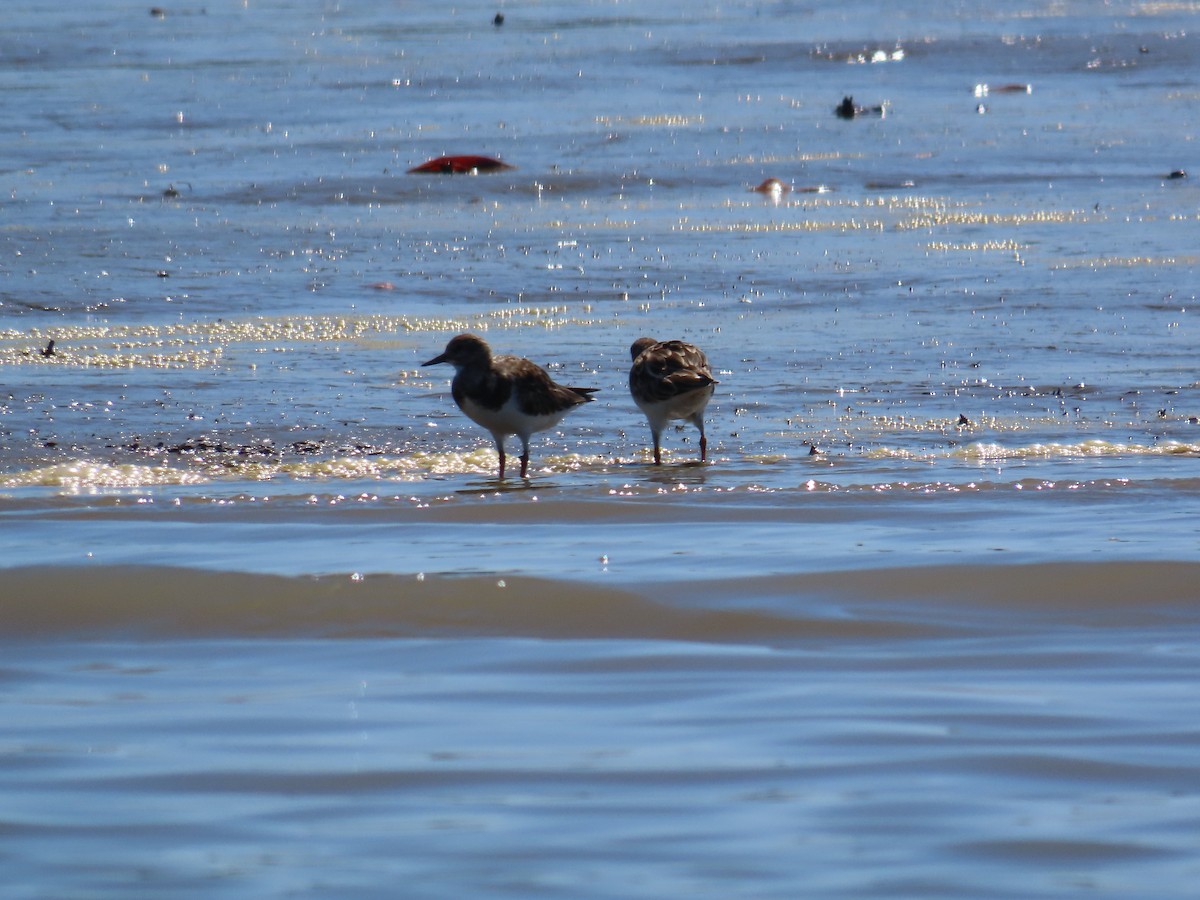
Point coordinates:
[(440, 358)]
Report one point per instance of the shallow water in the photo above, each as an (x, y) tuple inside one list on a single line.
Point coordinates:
[(270, 624)]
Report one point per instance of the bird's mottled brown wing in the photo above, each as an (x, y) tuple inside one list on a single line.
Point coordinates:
[(537, 393), (669, 369)]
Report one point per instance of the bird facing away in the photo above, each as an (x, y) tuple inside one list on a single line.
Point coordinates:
[(506, 394), (670, 380)]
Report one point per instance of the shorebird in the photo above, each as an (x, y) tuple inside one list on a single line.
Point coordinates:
[(670, 380), (506, 394)]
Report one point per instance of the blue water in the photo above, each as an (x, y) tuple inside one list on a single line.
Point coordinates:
[(269, 624)]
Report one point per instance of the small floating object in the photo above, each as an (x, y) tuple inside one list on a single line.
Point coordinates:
[(1177, 174), (170, 192), (772, 186), (382, 286), (983, 89), (48, 350), (963, 421), (848, 110), (458, 165), (499, 20)]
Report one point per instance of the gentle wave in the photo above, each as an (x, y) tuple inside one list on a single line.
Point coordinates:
[(987, 451), (84, 474), (232, 465), (1071, 449), (204, 343)]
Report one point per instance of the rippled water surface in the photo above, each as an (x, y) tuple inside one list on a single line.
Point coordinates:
[(924, 625)]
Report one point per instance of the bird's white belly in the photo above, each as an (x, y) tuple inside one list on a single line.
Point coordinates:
[(508, 419), (683, 406)]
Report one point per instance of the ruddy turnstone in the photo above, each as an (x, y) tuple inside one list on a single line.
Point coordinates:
[(670, 380), (506, 394)]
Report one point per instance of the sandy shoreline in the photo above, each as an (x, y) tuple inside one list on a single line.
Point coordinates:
[(99, 602)]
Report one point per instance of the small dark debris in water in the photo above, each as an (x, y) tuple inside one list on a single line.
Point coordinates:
[(1162, 413), (983, 90), (1194, 420), (1177, 174), (889, 185), (158, 12), (201, 445), (382, 286), (306, 446), (171, 192), (163, 273), (963, 421), (48, 350), (208, 445), (848, 110), (360, 449), (813, 450), (499, 20), (458, 165)]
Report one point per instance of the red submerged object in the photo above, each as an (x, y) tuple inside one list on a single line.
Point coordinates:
[(772, 186), (456, 165)]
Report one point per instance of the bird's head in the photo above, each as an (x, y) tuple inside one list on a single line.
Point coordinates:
[(463, 350)]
